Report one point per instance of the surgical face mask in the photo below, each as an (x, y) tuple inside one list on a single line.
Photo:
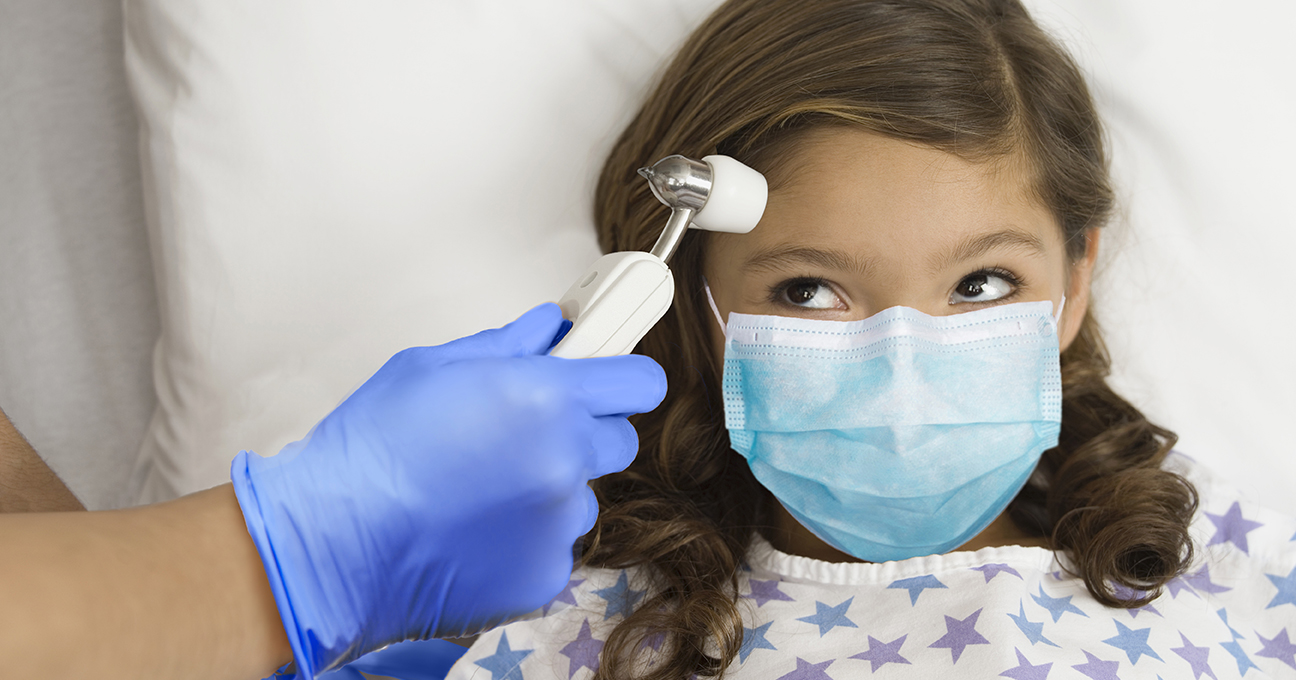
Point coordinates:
[(899, 435)]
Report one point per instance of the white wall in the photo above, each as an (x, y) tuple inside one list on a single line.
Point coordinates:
[(77, 312)]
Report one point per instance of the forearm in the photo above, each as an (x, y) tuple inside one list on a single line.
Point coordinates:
[(167, 591), (27, 484)]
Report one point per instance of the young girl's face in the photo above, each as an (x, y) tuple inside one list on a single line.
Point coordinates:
[(857, 223)]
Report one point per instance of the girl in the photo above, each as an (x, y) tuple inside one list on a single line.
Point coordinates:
[(864, 464)]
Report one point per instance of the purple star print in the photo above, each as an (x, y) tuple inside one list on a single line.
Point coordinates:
[(1202, 583), (1232, 527), (1026, 671), (765, 591), (1280, 647), (1097, 669), (989, 571), (566, 596), (1195, 656), (960, 634), (1125, 593), (654, 641), (1177, 584), (808, 671), (880, 654), (916, 586), (583, 651)]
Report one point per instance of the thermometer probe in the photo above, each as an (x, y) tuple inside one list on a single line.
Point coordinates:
[(622, 295)]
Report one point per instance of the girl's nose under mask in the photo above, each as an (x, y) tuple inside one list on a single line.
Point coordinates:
[(899, 435)]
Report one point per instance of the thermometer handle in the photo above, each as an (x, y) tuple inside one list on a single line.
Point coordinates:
[(613, 304)]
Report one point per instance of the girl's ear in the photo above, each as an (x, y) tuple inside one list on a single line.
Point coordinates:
[(1077, 300)]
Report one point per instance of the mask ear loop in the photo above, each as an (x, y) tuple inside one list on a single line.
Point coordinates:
[(1057, 316), (715, 311)]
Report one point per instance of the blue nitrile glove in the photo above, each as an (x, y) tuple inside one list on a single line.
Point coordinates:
[(445, 494)]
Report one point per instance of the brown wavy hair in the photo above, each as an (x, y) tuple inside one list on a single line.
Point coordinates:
[(976, 78)]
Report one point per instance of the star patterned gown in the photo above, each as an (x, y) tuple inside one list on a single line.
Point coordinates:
[(1008, 612)]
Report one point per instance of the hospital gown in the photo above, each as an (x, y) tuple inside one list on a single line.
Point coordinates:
[(998, 612)]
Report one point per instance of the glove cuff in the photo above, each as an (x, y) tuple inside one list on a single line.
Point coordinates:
[(253, 516)]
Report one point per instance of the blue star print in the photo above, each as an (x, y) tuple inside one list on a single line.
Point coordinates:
[(1133, 642), (1223, 614), (1057, 606), (828, 618), (960, 634), (1232, 527), (504, 664), (1286, 586), (754, 639), (1244, 662), (916, 585), (1232, 647), (621, 598), (1033, 631), (880, 654)]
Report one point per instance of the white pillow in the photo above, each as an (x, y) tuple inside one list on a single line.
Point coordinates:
[(329, 182), (1194, 287)]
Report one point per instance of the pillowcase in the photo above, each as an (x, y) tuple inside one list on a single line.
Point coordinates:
[(331, 182), (1192, 280)]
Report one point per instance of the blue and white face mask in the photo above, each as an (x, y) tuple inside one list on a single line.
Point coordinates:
[(900, 435)]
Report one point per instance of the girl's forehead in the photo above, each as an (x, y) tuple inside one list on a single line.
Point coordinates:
[(857, 189)]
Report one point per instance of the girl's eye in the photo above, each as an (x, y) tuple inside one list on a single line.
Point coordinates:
[(809, 294), (984, 286)]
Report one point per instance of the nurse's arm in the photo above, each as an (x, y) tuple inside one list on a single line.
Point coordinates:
[(174, 590), (27, 484)]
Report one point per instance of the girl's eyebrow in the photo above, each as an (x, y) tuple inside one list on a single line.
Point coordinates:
[(980, 244), (778, 258)]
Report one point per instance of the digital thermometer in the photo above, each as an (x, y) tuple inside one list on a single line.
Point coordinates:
[(622, 295)]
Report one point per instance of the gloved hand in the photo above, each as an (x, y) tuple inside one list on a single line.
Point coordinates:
[(445, 494)]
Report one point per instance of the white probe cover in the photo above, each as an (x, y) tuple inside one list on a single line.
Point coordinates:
[(737, 198), (614, 303), (622, 295)]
